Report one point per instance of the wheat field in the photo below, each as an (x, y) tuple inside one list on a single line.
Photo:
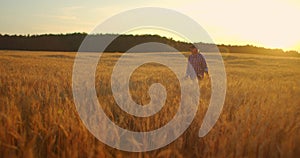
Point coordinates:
[(38, 118)]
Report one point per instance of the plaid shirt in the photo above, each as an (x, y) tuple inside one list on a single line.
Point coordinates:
[(197, 64)]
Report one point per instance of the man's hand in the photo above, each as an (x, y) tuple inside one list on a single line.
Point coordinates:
[(206, 74)]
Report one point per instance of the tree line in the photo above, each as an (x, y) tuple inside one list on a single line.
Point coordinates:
[(120, 43)]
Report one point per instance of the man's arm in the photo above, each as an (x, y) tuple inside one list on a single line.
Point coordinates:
[(204, 64)]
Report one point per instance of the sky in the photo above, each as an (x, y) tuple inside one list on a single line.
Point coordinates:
[(267, 23)]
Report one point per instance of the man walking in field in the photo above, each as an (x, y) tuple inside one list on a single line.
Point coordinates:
[(197, 64)]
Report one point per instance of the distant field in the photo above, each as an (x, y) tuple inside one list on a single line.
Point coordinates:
[(38, 118)]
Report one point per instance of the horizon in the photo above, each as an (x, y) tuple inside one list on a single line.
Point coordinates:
[(265, 24)]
